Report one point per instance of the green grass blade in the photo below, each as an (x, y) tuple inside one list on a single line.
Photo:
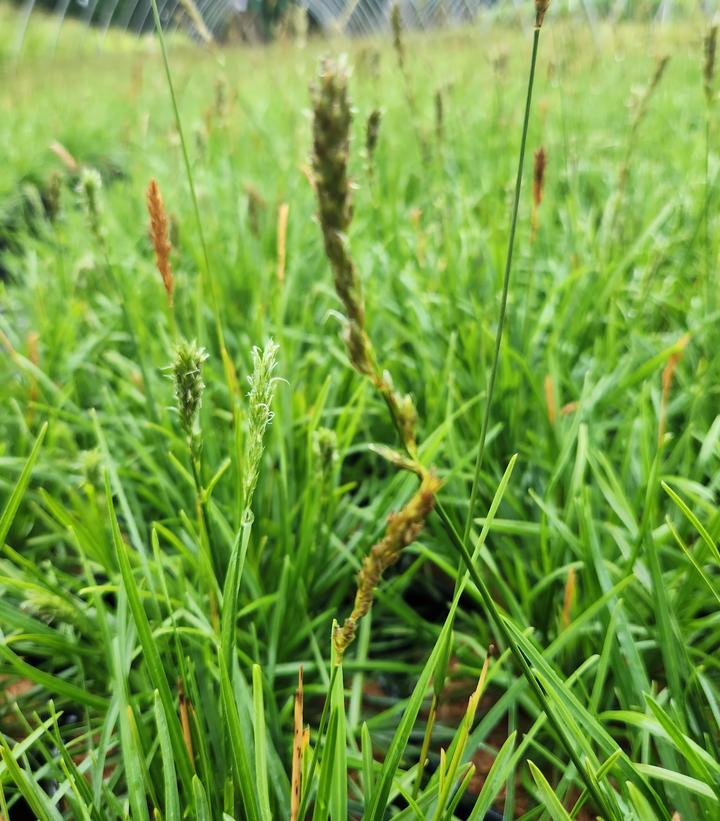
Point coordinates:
[(339, 809), (547, 795), (261, 764), (396, 750), (693, 785), (13, 503), (151, 654), (172, 799), (202, 807), (324, 797), (495, 779), (37, 799), (239, 746)]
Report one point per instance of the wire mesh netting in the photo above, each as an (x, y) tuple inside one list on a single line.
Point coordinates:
[(261, 20), (236, 20), (201, 17)]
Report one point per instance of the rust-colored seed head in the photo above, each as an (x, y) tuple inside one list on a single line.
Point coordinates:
[(667, 380), (160, 237), (539, 175), (541, 6)]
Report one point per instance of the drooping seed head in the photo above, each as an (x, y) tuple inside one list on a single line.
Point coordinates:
[(402, 529)]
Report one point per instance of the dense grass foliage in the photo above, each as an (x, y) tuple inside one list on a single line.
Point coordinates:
[(156, 605)]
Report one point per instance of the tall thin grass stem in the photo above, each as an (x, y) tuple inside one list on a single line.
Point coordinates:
[(193, 195), (505, 290)]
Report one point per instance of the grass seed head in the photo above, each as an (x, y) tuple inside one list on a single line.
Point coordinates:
[(256, 206), (262, 390), (90, 188), (189, 385), (372, 132), (402, 529), (159, 234), (541, 6), (52, 196), (439, 115), (539, 165), (539, 175), (709, 68), (325, 451), (398, 45), (331, 148)]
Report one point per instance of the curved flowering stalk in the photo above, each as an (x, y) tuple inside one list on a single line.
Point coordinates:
[(402, 530), (331, 149)]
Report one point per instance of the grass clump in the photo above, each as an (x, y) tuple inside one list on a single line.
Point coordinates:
[(533, 618)]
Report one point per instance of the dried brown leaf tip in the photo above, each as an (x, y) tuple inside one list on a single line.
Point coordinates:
[(668, 375), (541, 6), (159, 234), (402, 529), (65, 157), (184, 708), (298, 738), (550, 403)]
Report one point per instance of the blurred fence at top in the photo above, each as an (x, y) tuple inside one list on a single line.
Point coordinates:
[(262, 20)]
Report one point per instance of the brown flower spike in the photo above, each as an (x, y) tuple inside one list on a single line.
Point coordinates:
[(709, 68), (331, 148), (539, 175), (160, 237), (402, 529), (541, 6), (538, 186)]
